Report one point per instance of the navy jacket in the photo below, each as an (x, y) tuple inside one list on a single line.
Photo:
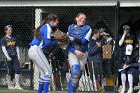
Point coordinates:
[(94, 52)]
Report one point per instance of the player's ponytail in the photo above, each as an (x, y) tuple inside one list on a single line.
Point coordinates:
[(49, 18)]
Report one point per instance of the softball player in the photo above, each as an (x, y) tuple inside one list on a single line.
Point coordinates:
[(79, 35), (42, 39), (126, 43), (11, 51)]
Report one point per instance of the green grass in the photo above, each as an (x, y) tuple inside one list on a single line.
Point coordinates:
[(23, 91), (5, 90)]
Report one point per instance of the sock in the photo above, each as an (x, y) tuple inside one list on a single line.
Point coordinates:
[(40, 87), (46, 87), (123, 78), (8, 79), (17, 78), (12, 76), (130, 80)]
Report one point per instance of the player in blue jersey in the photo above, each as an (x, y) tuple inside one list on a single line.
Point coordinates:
[(10, 50), (79, 34), (42, 39)]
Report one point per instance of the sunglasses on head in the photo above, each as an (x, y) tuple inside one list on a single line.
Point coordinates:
[(8, 26), (125, 29)]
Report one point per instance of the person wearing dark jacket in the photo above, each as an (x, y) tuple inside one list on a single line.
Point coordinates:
[(95, 58), (108, 63)]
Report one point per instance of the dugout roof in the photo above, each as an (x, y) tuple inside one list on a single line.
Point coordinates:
[(123, 3)]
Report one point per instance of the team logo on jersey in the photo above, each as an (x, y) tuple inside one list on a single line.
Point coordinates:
[(128, 41), (11, 43)]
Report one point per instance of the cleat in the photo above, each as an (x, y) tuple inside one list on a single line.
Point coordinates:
[(18, 87), (10, 87), (122, 90), (130, 90)]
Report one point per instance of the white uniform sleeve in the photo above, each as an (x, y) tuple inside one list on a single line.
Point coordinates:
[(113, 46), (17, 50), (87, 37), (121, 41), (5, 51), (49, 31)]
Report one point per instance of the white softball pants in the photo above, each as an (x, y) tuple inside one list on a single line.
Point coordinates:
[(74, 60), (37, 56)]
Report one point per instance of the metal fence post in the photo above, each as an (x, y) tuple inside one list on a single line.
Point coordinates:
[(31, 77), (117, 45)]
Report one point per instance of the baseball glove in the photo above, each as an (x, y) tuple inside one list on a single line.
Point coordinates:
[(62, 37)]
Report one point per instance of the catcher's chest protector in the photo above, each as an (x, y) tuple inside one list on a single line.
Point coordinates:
[(78, 31)]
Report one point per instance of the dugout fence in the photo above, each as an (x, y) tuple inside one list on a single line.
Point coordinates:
[(25, 19)]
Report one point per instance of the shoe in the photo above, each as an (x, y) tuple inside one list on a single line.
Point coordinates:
[(18, 87), (130, 90), (122, 90), (9, 82), (119, 90), (10, 87), (139, 91)]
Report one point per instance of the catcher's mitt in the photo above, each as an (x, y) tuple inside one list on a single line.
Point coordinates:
[(62, 37)]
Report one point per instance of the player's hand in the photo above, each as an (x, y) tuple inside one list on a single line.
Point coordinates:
[(98, 44), (71, 38), (19, 58), (125, 66), (125, 32), (79, 53), (60, 43), (9, 59)]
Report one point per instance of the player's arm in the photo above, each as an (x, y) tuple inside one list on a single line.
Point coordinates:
[(93, 50), (3, 46), (5, 52), (122, 38), (83, 40), (70, 48), (18, 54), (47, 36), (17, 48)]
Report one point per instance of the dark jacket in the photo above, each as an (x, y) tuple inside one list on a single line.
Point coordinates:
[(94, 52)]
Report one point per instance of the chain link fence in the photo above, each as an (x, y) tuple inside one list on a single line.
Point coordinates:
[(25, 19)]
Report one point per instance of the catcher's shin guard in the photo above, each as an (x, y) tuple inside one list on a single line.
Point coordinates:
[(71, 88), (74, 80)]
